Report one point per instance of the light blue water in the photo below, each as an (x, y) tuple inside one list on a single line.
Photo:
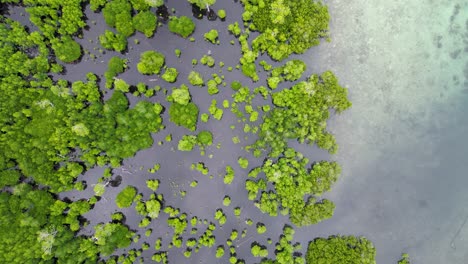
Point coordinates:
[(403, 145)]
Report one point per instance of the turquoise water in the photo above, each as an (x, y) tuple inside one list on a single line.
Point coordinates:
[(403, 145)]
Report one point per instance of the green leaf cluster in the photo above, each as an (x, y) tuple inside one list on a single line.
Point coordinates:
[(145, 22), (110, 236), (292, 184), (115, 66), (151, 62), (66, 49), (258, 250), (184, 115), (286, 27), (195, 79), (229, 176), (118, 14), (301, 113), (125, 197), (113, 41), (170, 75), (182, 26), (215, 111), (212, 36), (341, 249), (290, 71)]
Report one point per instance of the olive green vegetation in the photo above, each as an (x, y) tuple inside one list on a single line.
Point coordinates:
[(222, 13), (188, 142), (54, 130), (285, 252), (293, 118), (145, 22), (170, 75), (341, 249), (151, 62), (184, 115), (286, 27), (212, 36), (207, 60), (290, 71), (182, 26), (195, 78), (125, 197), (115, 66)]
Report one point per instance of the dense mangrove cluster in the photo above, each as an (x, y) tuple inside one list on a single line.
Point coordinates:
[(53, 131)]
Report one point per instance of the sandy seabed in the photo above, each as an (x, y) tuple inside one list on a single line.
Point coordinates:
[(403, 145)]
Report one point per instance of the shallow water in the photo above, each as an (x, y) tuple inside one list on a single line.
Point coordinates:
[(402, 144)]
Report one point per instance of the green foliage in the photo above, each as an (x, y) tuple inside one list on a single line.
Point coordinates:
[(205, 138), (170, 75), (250, 70), (216, 112), (226, 201), (301, 112), (115, 66), (160, 257), (180, 95), (95, 5), (195, 78), (207, 60), (145, 22), (54, 130), (117, 14), (182, 26), (243, 162), (219, 252), (258, 250), (287, 27), (222, 13), (285, 251), (110, 236), (292, 182), (187, 143), (261, 228), (125, 197), (53, 19), (150, 62), (66, 49), (99, 189), (290, 71), (184, 115), (152, 184), (234, 29), (236, 85), (211, 36), (153, 207), (205, 117), (111, 41), (46, 124), (121, 85), (341, 249), (212, 87), (237, 212), (229, 176)]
